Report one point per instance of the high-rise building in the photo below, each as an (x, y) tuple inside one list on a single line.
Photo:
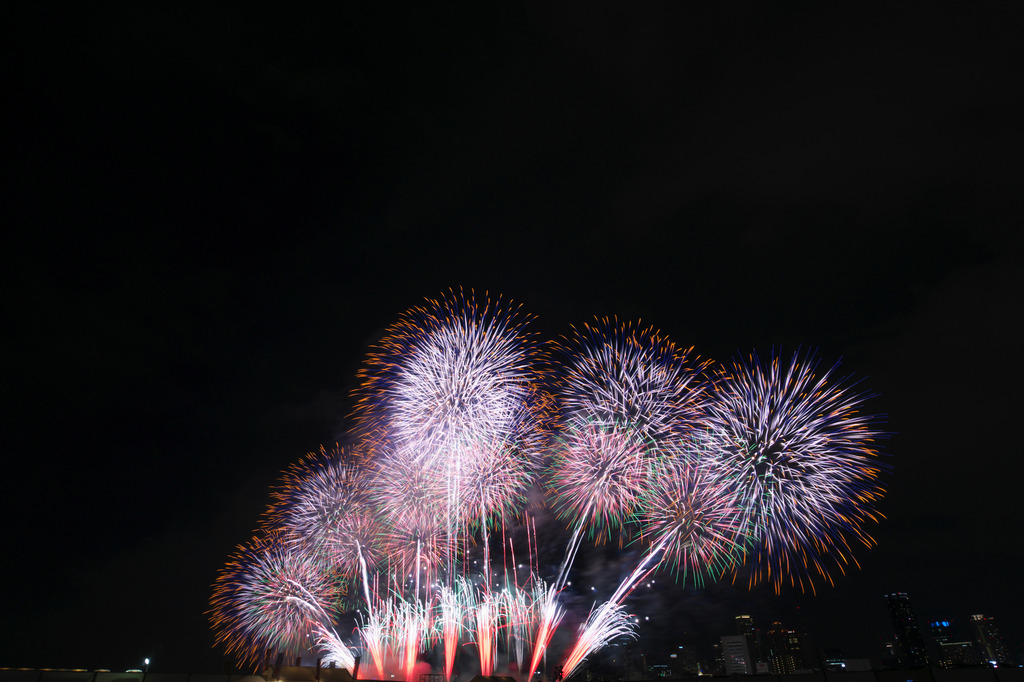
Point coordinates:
[(911, 649), (718, 659), (685, 660), (942, 631), (986, 633), (785, 650), (957, 653), (952, 649), (755, 640), (889, 658), (736, 652)]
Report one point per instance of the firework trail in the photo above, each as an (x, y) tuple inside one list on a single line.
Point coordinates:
[(604, 624), (691, 517), (450, 605), (804, 463), (548, 616), (609, 620), (517, 615), (267, 598), (485, 615), (600, 475), (334, 650), (374, 631), (411, 630)]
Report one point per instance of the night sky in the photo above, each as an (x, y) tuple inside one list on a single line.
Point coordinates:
[(211, 213)]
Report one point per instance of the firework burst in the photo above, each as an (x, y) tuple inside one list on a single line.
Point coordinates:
[(269, 598), (323, 507), (452, 374), (692, 513), (627, 394), (803, 459), (492, 483), (412, 499), (630, 378), (599, 475)]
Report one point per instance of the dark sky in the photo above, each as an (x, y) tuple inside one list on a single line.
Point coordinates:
[(209, 214)]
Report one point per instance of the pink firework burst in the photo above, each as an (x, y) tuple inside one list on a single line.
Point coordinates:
[(599, 475), (412, 498), (626, 395), (693, 516), (490, 480), (324, 507)]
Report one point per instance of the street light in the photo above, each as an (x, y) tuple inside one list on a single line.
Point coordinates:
[(145, 670)]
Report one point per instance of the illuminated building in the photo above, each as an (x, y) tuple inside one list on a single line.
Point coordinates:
[(952, 650), (737, 655), (718, 658), (957, 653), (911, 649), (755, 642), (986, 633), (889, 658), (785, 653), (942, 631)]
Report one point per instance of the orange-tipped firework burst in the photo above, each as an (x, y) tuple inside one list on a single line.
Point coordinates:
[(804, 463), (268, 598), (631, 379), (452, 378)]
